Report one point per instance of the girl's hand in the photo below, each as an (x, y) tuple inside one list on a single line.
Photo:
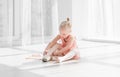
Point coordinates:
[(45, 52)]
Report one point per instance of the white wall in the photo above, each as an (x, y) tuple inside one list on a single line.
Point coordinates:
[(116, 14), (80, 17), (77, 11), (64, 10), (103, 22)]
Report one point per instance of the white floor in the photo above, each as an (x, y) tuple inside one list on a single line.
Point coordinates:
[(97, 60)]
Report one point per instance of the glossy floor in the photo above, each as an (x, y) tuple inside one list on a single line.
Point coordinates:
[(97, 60)]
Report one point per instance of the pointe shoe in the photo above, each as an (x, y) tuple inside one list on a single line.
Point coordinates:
[(46, 58)]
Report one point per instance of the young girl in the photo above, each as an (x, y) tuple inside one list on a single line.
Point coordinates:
[(63, 47)]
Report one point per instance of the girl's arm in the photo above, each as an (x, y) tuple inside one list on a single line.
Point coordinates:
[(67, 47), (52, 43)]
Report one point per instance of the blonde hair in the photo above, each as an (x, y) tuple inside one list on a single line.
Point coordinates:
[(65, 24)]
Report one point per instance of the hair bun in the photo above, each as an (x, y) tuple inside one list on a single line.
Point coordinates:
[(68, 19)]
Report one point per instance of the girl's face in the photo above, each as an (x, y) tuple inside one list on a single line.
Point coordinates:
[(64, 32)]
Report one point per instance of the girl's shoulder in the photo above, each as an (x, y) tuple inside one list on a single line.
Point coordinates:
[(71, 37)]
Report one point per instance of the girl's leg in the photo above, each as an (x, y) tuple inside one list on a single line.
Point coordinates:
[(68, 56), (54, 48), (48, 57)]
